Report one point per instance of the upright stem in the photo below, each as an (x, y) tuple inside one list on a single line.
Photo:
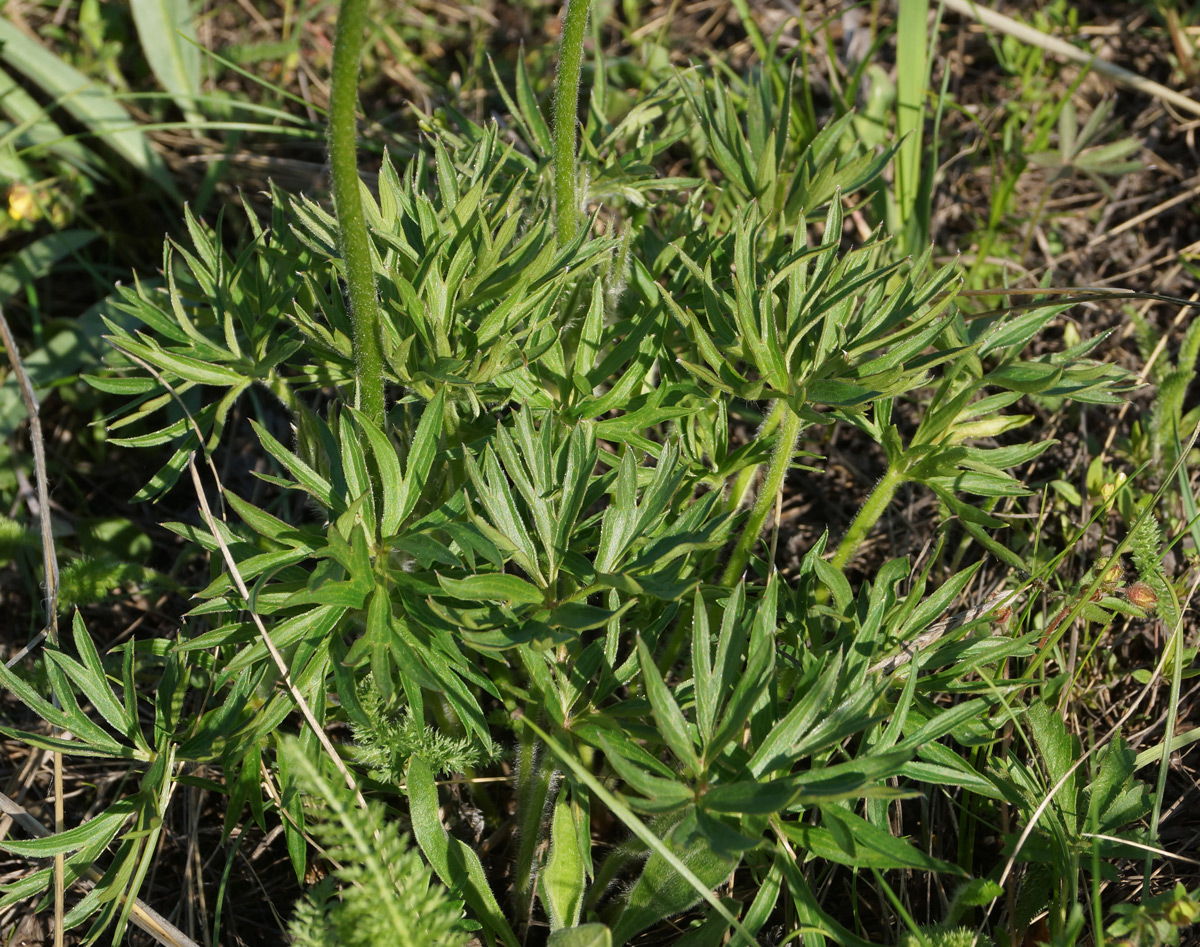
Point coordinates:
[(566, 105), (781, 460), (347, 201), (743, 482), (868, 516)]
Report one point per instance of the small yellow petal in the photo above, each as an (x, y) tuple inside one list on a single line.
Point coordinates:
[(20, 203)]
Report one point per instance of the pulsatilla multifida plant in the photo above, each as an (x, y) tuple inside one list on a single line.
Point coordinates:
[(541, 538)]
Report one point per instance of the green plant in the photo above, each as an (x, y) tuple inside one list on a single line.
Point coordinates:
[(503, 501), (382, 893), (1158, 920)]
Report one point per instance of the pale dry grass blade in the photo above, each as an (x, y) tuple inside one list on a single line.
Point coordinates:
[(999, 604), (1058, 47)]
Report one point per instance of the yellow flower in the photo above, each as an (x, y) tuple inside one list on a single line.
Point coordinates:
[(21, 205)]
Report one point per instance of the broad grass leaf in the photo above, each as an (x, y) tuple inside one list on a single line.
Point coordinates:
[(168, 40), (39, 258), (93, 105)]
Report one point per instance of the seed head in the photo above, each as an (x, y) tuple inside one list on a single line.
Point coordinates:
[(1141, 595)]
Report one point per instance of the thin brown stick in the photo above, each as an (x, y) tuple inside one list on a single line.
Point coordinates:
[(50, 567), (301, 704), (1145, 215), (1058, 47), (38, 444)]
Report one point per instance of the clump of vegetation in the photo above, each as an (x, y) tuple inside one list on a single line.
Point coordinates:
[(515, 427)]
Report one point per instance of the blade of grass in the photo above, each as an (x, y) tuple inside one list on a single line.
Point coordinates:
[(168, 41), (90, 103), (910, 102), (637, 827)]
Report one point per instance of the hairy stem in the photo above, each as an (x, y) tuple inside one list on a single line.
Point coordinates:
[(781, 460), (355, 242), (744, 481), (566, 104), (868, 516)]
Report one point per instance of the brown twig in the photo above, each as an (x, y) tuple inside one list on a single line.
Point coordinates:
[(1058, 47), (50, 565)]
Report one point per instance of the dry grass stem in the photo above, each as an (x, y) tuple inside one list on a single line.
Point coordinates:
[(1058, 47)]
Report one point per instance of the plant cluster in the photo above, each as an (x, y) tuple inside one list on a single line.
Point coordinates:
[(521, 420)]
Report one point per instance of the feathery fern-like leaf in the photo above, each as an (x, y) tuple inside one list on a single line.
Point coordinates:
[(382, 893)]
